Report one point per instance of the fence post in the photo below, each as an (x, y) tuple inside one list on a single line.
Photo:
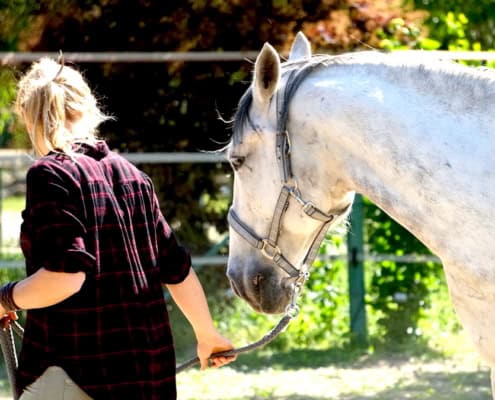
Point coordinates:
[(355, 257), (1, 211)]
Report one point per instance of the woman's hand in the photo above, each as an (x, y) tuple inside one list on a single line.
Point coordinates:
[(6, 318), (190, 298), (210, 344)]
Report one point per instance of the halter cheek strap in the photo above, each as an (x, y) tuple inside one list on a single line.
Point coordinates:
[(268, 246)]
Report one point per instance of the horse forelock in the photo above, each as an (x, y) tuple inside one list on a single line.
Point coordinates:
[(296, 72), (242, 116)]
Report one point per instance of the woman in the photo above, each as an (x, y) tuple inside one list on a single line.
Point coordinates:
[(97, 250)]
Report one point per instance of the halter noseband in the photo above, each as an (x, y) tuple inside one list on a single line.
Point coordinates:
[(268, 246)]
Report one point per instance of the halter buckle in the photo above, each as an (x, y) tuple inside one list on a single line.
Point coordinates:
[(269, 250), (308, 208), (303, 275)]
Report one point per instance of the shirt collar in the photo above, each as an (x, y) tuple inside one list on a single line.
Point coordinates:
[(96, 150)]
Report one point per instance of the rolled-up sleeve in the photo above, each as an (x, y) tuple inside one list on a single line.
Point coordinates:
[(174, 260), (54, 224)]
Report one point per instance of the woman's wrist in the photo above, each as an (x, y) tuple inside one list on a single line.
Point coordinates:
[(206, 332), (7, 297)]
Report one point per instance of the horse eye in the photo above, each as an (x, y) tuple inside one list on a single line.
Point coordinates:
[(237, 162)]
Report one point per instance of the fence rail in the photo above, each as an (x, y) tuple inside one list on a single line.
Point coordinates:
[(196, 261), (222, 260), (13, 159), (19, 158), (10, 58), (13, 58), (356, 253)]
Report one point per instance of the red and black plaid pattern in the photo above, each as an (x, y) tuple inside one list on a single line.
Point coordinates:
[(97, 213)]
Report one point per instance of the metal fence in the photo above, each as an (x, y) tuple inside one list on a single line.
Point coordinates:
[(13, 58), (356, 255), (17, 159), (21, 159)]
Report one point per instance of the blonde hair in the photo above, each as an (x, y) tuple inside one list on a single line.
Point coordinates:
[(58, 107)]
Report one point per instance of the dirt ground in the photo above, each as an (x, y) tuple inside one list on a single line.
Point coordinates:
[(462, 377)]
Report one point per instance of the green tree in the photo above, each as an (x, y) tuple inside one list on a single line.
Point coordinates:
[(398, 292), (460, 24), (173, 107)]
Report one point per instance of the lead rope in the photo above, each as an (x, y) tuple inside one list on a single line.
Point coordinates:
[(291, 312), (7, 343)]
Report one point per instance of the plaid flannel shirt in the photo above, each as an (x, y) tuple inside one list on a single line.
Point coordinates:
[(97, 213)]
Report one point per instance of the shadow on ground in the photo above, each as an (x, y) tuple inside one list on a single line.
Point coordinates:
[(354, 358), (429, 386), (436, 386)]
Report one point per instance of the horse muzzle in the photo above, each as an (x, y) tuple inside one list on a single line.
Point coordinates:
[(261, 286)]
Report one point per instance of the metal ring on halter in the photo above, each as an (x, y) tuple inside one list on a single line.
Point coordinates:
[(303, 276), (292, 310), (294, 192), (267, 244)]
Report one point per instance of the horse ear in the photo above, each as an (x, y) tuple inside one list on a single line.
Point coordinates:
[(301, 48), (266, 74)]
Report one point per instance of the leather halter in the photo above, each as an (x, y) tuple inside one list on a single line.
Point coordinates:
[(268, 246)]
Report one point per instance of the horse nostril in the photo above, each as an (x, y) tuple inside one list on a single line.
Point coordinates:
[(257, 280)]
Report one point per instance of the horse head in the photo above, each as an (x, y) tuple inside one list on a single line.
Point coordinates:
[(279, 213)]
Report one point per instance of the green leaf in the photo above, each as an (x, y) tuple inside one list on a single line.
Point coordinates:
[(429, 44)]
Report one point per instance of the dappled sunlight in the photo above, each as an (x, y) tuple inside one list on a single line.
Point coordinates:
[(435, 380), (386, 377)]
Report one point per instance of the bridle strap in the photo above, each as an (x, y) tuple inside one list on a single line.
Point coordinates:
[(269, 249), (313, 250), (309, 208), (283, 149), (280, 208), (243, 230), (268, 246)]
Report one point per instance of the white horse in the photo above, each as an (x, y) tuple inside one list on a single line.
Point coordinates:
[(415, 137)]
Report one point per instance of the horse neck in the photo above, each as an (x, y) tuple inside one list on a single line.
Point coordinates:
[(408, 150)]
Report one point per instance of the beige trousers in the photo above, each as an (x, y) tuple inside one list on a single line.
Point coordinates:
[(54, 384)]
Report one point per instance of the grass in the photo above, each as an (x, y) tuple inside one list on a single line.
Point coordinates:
[(438, 364), (412, 371), (13, 204), (409, 371)]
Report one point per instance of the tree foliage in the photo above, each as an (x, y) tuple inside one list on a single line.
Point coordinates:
[(460, 24), (175, 106), (398, 293)]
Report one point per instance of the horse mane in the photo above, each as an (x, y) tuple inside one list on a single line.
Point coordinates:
[(297, 72), (475, 81), (242, 117)]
